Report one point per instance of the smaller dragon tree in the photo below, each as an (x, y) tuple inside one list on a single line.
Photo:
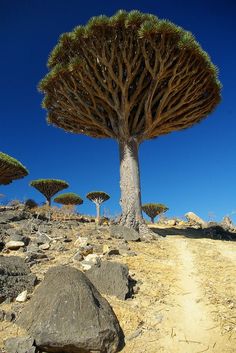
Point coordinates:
[(154, 209), (69, 199), (98, 197), (10, 169), (49, 187)]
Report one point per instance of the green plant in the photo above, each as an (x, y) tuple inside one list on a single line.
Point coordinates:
[(98, 197), (49, 187), (10, 169), (69, 198), (130, 77), (154, 209)]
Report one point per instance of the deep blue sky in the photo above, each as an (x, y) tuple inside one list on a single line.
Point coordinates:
[(190, 170)]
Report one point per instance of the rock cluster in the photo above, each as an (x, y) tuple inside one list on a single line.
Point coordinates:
[(15, 277)]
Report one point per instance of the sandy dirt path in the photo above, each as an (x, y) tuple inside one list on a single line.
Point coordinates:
[(190, 326)]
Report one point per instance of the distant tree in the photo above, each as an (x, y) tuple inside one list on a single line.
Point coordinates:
[(70, 199), (10, 169), (154, 209), (130, 77), (98, 197), (49, 187)]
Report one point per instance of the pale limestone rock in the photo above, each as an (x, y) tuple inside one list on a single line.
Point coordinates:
[(14, 245), (22, 297)]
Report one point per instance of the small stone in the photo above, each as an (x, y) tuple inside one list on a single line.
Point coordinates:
[(90, 261), (81, 241), (22, 297), (105, 248), (86, 266), (171, 222), (45, 246), (78, 257), (94, 258), (112, 252), (14, 245), (86, 250), (42, 238)]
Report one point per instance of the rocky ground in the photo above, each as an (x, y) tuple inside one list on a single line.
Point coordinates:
[(184, 284)]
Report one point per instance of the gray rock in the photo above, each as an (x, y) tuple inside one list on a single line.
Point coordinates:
[(90, 261), (13, 216), (78, 257), (195, 219), (44, 246), (67, 314), (42, 238), (15, 277), (20, 345), (227, 224), (36, 257), (14, 245), (14, 234), (18, 235), (32, 248), (120, 232), (111, 278)]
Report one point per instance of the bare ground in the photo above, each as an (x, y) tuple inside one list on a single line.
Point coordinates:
[(187, 297)]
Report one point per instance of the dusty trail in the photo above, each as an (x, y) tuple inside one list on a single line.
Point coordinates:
[(189, 324)]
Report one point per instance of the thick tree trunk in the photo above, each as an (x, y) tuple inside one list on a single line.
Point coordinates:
[(98, 213), (130, 185), (48, 202), (152, 219)]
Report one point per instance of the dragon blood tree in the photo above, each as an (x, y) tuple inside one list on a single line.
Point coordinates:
[(98, 197), (10, 169), (49, 187), (154, 209), (130, 77), (69, 199)]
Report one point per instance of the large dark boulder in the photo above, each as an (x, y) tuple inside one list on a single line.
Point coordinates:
[(112, 278), (67, 314), (121, 232), (217, 231), (15, 277)]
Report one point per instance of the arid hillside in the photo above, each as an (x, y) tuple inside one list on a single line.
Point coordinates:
[(184, 299)]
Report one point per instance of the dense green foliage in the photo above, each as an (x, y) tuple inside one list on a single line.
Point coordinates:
[(120, 75), (10, 169), (98, 196), (154, 209), (49, 187), (69, 198)]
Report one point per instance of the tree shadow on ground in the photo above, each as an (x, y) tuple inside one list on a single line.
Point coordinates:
[(214, 232)]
